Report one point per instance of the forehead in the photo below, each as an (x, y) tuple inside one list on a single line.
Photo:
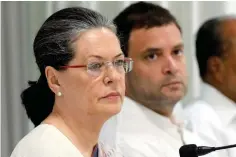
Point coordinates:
[(166, 36), (228, 33), (229, 29), (97, 42)]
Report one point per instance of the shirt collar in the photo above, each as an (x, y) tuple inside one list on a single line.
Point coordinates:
[(224, 107), (138, 118), (143, 112)]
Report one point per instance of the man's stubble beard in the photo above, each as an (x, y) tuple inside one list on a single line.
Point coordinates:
[(159, 103)]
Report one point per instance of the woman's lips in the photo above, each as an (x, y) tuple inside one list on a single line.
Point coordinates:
[(112, 95)]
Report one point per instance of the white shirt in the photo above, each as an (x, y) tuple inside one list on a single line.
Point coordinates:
[(213, 117), (47, 141), (139, 132)]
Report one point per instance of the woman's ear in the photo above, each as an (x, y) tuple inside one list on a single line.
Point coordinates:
[(52, 79)]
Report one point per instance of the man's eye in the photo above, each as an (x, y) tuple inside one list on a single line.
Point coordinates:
[(151, 56), (178, 52), (119, 62), (95, 66)]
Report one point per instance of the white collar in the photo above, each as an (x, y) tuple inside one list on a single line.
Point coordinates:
[(224, 107), (143, 113)]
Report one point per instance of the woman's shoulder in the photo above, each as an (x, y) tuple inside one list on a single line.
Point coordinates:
[(43, 141)]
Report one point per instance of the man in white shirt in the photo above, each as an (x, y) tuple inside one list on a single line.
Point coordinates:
[(146, 127), (213, 114)]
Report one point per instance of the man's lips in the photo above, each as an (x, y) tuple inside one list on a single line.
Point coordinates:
[(173, 83)]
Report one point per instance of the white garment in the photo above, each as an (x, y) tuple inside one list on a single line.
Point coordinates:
[(47, 141), (213, 117), (139, 132)]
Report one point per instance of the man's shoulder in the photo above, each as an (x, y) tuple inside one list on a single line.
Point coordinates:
[(145, 145), (200, 110), (202, 119), (112, 126)]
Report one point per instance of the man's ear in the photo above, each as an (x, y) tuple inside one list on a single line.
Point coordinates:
[(52, 79), (215, 68)]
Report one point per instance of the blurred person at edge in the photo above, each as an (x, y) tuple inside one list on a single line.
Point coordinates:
[(213, 114)]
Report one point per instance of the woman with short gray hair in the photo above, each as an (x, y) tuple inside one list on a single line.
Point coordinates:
[(82, 84)]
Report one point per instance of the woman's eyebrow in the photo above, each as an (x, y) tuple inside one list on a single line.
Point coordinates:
[(100, 57)]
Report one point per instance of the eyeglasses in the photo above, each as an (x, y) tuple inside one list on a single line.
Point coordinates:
[(96, 68)]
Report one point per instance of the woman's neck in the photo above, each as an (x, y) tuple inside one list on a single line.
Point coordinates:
[(82, 132)]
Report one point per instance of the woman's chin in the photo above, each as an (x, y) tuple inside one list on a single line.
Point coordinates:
[(112, 109)]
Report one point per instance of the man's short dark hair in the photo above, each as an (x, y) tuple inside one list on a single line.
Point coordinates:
[(209, 41), (141, 15)]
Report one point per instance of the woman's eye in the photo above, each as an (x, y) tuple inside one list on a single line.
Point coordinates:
[(119, 62), (95, 66)]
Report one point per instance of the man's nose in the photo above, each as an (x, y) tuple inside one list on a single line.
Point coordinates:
[(170, 66)]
